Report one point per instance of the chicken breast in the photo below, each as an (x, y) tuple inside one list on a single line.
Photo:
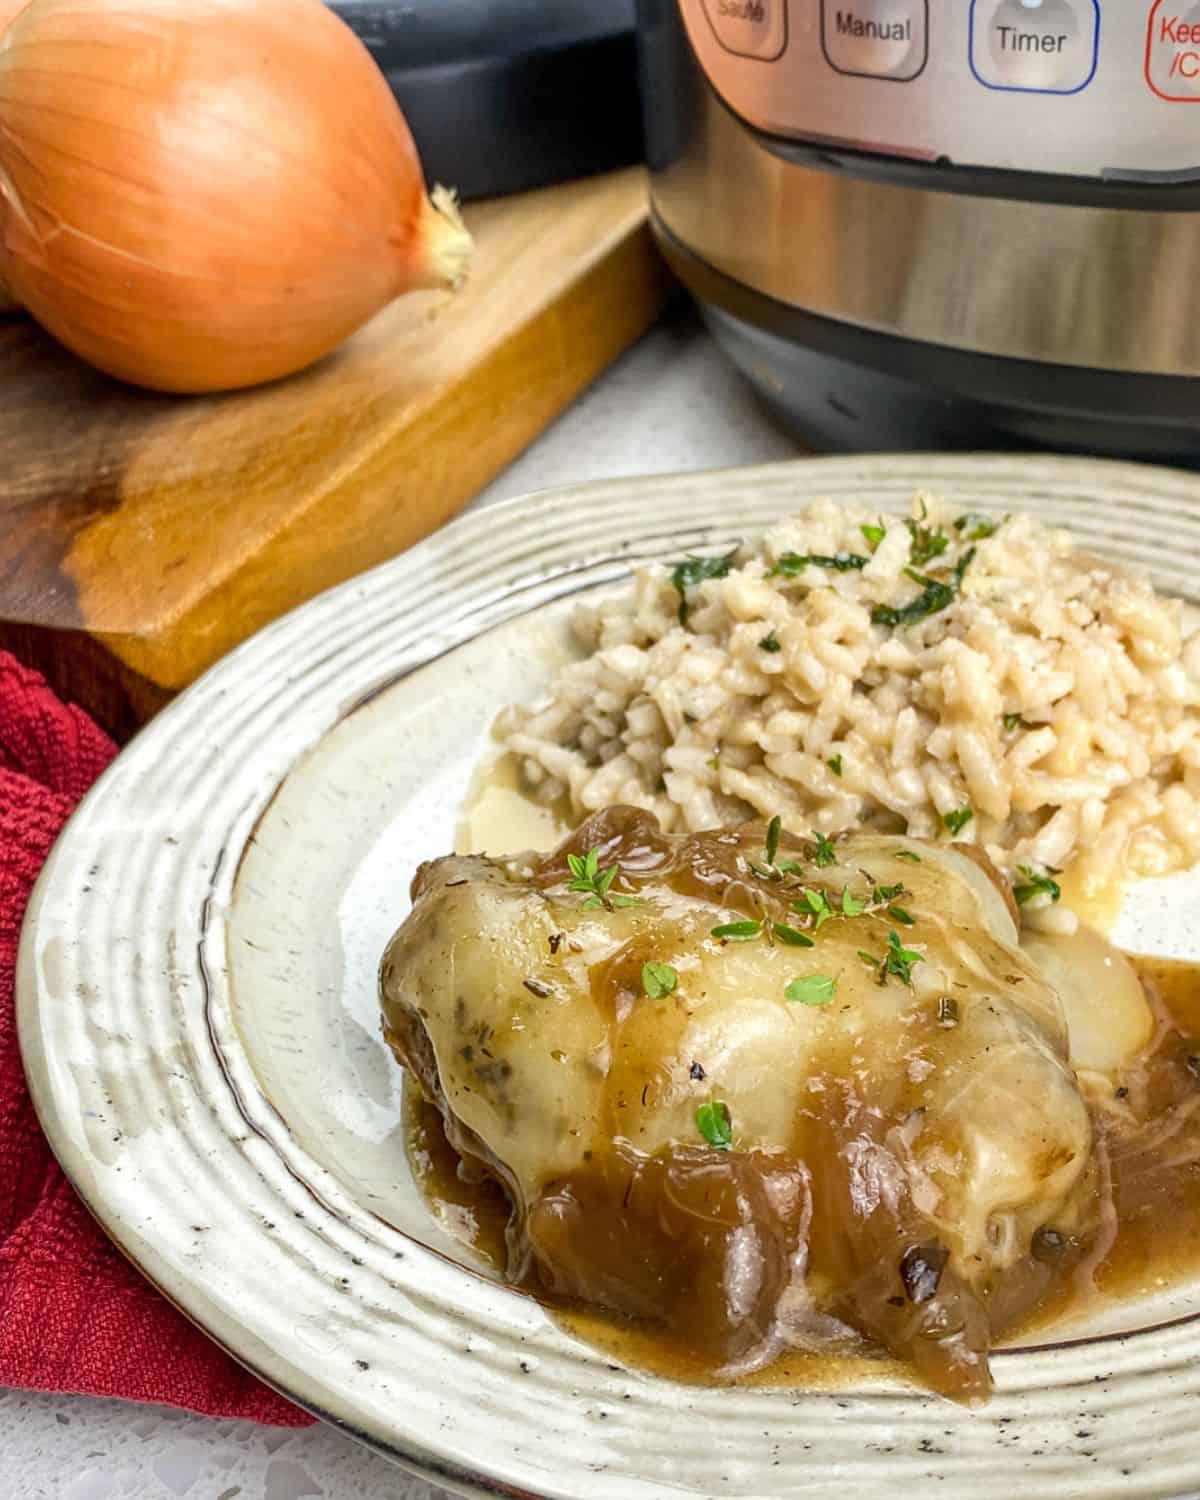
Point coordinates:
[(754, 1089)]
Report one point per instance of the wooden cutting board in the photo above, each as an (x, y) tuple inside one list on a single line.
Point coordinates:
[(142, 536)]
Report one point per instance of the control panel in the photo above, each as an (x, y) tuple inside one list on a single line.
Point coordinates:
[(1091, 88)]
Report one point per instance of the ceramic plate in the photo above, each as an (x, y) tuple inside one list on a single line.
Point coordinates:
[(198, 1015)]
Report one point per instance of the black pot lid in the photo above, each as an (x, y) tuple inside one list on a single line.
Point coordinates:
[(503, 95)]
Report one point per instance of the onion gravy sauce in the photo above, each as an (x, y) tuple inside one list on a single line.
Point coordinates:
[(1148, 1141)]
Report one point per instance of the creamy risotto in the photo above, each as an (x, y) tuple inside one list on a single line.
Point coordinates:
[(949, 675)]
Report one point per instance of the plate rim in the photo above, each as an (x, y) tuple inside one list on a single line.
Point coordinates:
[(935, 469)]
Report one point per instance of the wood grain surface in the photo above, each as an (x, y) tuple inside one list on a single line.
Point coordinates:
[(143, 536)]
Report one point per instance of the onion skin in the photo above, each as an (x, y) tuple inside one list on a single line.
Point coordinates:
[(200, 195), (9, 10)]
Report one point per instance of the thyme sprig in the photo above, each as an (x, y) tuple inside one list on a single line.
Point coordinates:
[(587, 876), (897, 962)]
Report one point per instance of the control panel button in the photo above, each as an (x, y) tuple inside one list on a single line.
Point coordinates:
[(1173, 51), (751, 28), (1035, 46), (876, 38)]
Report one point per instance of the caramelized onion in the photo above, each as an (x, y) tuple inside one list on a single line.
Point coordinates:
[(197, 195)]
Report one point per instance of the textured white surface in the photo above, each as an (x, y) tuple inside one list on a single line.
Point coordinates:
[(670, 403), (69, 1448)]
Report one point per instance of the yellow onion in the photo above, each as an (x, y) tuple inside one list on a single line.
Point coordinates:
[(8, 10), (197, 195)]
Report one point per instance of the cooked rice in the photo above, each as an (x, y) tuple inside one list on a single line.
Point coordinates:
[(703, 725)]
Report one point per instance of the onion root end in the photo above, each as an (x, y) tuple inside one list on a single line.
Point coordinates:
[(447, 243)]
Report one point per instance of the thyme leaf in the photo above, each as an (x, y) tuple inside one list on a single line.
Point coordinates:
[(813, 989), (658, 980), (715, 1124), (825, 854), (900, 960), (737, 932)]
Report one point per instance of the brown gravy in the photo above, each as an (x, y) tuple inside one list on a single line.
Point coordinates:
[(1148, 1134)]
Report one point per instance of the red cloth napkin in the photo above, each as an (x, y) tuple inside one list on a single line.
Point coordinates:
[(74, 1314)]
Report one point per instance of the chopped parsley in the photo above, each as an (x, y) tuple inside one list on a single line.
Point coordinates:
[(851, 905), (813, 989), (790, 564), (587, 876), (898, 914), (873, 535), (693, 570), (926, 543), (1015, 721), (882, 894), (715, 1124), (835, 764), (770, 642), (658, 980), (935, 596), (825, 854), (737, 932), (913, 859), (774, 833), (975, 526), (1036, 884), (957, 819)]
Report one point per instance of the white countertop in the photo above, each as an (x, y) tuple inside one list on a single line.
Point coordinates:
[(670, 403)]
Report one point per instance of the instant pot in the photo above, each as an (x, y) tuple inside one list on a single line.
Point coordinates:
[(919, 223)]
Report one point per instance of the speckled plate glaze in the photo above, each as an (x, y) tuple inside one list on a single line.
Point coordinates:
[(198, 1017)]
